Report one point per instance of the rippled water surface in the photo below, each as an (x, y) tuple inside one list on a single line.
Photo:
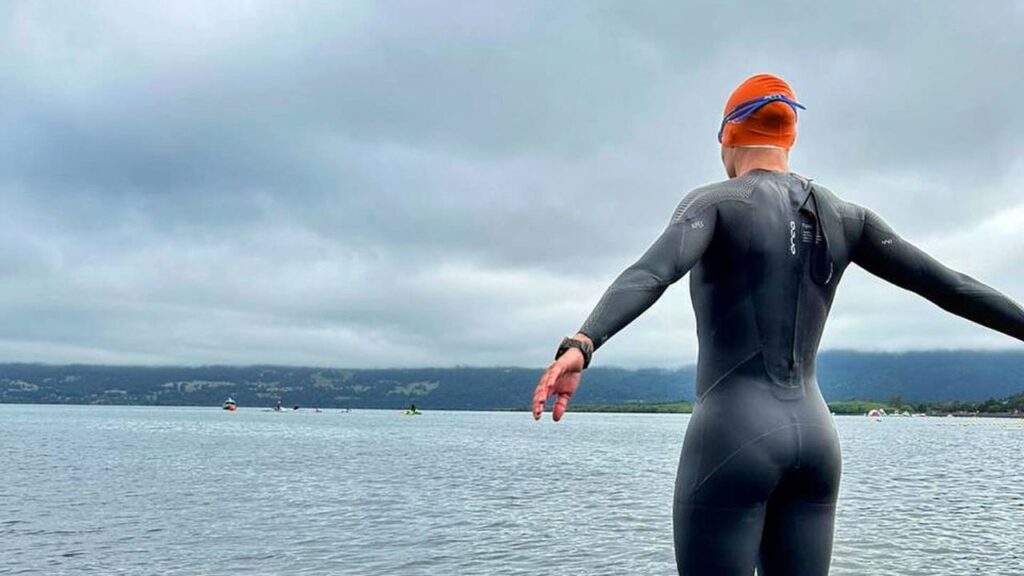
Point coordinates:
[(139, 490)]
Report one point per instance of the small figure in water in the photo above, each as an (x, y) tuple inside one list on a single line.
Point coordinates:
[(758, 475), (277, 407), (412, 408)]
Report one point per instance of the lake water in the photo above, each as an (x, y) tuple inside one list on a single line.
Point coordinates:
[(141, 490)]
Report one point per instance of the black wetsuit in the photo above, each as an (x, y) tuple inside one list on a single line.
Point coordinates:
[(759, 471)]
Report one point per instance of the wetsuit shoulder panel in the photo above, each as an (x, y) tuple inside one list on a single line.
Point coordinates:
[(737, 189), (884, 253)]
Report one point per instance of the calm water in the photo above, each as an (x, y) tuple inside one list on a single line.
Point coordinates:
[(138, 490)]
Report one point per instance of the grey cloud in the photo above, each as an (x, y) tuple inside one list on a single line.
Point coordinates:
[(433, 183)]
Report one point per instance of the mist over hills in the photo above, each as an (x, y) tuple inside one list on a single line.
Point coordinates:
[(843, 375)]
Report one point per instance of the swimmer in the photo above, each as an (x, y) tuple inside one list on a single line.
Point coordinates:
[(759, 470)]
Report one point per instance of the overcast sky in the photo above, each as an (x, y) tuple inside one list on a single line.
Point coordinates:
[(370, 184)]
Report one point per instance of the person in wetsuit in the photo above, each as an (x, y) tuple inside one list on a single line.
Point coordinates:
[(759, 471)]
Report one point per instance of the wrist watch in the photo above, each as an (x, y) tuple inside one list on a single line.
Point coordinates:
[(584, 347)]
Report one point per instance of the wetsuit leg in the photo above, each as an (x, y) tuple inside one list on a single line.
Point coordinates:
[(727, 471), (757, 482), (713, 540), (797, 538), (723, 484), (799, 520)]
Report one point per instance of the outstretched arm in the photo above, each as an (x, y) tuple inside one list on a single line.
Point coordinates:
[(676, 250), (679, 247), (883, 253)]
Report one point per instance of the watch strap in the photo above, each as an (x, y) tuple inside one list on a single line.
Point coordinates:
[(568, 342)]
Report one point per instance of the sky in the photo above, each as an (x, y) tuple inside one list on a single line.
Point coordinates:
[(402, 184)]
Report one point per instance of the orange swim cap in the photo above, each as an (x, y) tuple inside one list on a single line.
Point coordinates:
[(760, 112)]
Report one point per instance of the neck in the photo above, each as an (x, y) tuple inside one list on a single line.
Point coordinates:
[(774, 159)]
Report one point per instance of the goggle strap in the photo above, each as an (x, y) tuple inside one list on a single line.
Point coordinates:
[(745, 109)]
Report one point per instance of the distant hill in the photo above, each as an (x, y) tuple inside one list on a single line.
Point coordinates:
[(439, 388), (843, 375)]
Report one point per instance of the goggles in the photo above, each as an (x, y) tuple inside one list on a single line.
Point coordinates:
[(743, 110)]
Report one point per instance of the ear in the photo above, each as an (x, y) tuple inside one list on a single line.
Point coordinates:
[(728, 161)]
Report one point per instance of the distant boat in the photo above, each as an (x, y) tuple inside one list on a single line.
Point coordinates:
[(230, 405), (876, 414)]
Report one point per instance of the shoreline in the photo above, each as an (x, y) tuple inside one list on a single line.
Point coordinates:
[(632, 408)]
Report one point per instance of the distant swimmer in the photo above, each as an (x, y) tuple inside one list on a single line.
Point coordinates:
[(759, 471)]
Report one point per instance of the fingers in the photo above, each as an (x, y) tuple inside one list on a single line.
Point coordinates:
[(539, 397), (538, 400), (545, 388), (559, 408)]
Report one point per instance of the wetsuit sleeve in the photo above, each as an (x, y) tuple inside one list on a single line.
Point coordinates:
[(883, 253), (671, 256)]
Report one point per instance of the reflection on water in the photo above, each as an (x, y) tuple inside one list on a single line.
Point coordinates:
[(138, 490)]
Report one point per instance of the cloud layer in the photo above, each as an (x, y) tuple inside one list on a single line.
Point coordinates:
[(437, 183)]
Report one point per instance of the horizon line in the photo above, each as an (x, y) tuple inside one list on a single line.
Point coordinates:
[(693, 365)]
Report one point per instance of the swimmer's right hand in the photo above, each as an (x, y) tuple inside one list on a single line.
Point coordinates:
[(560, 381)]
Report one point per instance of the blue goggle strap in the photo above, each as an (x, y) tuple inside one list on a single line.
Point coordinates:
[(745, 109)]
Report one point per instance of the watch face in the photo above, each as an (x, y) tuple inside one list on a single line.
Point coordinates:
[(564, 346), (580, 345)]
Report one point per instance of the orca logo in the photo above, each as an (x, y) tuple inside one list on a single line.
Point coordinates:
[(792, 237)]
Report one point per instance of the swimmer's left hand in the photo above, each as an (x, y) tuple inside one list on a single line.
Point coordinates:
[(560, 380)]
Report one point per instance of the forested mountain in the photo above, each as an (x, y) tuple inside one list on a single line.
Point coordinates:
[(843, 375)]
